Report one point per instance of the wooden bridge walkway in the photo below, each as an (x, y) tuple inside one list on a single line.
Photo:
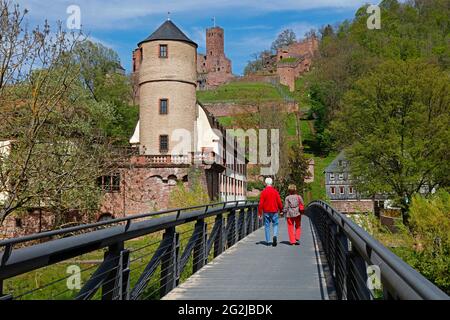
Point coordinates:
[(251, 270)]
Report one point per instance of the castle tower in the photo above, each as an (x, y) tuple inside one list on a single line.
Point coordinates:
[(167, 88), (215, 42)]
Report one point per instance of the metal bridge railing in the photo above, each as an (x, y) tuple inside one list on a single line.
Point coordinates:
[(350, 251), (137, 257)]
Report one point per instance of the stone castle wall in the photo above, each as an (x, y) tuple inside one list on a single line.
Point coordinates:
[(303, 51)]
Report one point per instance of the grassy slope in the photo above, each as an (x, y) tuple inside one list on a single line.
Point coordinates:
[(240, 92)]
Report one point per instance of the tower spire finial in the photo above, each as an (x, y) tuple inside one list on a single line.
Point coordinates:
[(168, 16), (214, 21)]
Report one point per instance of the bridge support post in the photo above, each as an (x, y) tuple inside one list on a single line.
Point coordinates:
[(169, 262), (116, 284), (231, 228), (200, 257), (219, 243)]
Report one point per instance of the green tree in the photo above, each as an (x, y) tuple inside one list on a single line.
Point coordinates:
[(56, 146), (429, 252), (395, 124), (285, 38), (101, 76)]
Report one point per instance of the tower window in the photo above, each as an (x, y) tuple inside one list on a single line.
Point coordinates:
[(163, 144), (163, 106), (163, 51)]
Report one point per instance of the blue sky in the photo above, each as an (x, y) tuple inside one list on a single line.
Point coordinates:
[(250, 25)]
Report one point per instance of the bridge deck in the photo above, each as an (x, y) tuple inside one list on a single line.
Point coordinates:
[(252, 271)]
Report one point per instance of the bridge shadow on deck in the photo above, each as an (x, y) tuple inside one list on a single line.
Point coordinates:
[(252, 271)]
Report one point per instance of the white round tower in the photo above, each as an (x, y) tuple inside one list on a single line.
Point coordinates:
[(167, 85)]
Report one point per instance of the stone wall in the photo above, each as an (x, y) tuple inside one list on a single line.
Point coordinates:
[(37, 220), (257, 78), (350, 206), (142, 190)]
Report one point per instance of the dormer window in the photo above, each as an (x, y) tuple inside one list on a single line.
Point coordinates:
[(163, 52), (341, 176), (331, 176)]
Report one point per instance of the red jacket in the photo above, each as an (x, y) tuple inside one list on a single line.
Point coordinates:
[(270, 201)]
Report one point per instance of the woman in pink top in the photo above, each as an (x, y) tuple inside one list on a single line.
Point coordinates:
[(293, 209)]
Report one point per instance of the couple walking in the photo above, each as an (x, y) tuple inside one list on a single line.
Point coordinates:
[(270, 205)]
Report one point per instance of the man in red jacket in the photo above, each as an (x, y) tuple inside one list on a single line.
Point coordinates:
[(270, 205)]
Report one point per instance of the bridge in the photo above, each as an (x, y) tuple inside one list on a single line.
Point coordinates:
[(211, 252)]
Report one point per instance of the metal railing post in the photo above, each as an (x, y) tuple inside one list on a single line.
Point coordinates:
[(169, 262), (341, 264), (219, 243), (250, 223), (331, 245), (116, 283), (231, 228), (356, 277), (200, 246), (255, 219), (241, 225)]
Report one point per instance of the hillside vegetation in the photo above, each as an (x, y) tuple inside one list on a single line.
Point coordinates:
[(241, 92)]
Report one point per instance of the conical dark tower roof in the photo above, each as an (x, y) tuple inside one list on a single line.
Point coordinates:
[(168, 31)]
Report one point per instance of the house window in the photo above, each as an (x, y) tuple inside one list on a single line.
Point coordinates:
[(163, 144), (333, 190), (109, 183), (341, 190), (341, 176), (331, 176), (340, 163), (163, 51), (163, 106), (351, 190)]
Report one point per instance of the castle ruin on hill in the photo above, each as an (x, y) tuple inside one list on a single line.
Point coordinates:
[(213, 67)]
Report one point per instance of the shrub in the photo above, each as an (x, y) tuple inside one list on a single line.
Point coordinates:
[(190, 194)]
